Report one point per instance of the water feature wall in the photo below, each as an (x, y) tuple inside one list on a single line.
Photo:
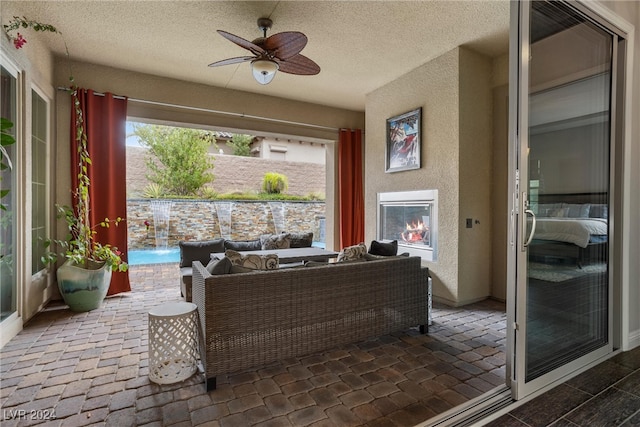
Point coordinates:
[(223, 211), (200, 220), (161, 218), (278, 213)]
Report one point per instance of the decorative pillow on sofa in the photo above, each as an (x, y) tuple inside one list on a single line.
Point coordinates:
[(242, 245), (275, 241), (384, 248), (255, 262), (351, 253), (219, 266), (199, 251), (301, 240)]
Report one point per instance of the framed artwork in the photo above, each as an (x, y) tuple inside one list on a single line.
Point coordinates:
[(403, 141)]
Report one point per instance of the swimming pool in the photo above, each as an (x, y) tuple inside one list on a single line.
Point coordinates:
[(153, 256), (161, 256)]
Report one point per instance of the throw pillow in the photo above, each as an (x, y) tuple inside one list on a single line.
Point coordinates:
[(384, 248), (599, 211), (301, 240), (243, 245), (351, 253), (577, 210), (253, 261), (275, 241), (219, 266), (199, 251)]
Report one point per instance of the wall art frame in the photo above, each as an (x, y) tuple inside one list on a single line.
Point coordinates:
[(404, 138)]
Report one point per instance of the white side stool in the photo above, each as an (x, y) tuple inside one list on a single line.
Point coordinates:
[(173, 342)]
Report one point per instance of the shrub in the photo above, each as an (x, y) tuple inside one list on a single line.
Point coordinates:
[(315, 195), (154, 191), (208, 192), (180, 160), (274, 183), (241, 145)]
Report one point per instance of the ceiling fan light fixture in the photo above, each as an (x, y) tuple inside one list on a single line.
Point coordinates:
[(264, 70)]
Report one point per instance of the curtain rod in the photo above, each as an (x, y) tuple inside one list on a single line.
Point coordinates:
[(227, 113)]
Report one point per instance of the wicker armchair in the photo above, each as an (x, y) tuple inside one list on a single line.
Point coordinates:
[(252, 319)]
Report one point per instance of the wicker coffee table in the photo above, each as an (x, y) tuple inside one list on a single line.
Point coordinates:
[(173, 342)]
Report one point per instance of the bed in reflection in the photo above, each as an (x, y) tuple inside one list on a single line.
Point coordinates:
[(570, 229)]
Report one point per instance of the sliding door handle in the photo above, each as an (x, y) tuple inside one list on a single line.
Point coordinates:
[(533, 227)]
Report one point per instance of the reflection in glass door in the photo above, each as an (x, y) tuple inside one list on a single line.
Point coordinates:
[(563, 200), (8, 190)]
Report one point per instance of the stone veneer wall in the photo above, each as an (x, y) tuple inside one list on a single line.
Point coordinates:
[(192, 220)]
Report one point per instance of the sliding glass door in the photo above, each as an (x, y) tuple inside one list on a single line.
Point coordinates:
[(8, 193), (562, 114)]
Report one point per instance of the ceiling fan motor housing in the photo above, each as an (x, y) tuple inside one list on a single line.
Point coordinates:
[(264, 24)]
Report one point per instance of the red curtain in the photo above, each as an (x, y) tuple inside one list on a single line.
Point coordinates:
[(350, 187), (105, 125)]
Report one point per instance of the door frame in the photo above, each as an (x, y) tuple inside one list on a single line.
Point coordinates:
[(620, 195), (13, 324)]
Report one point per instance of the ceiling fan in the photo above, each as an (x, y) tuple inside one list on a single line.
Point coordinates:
[(279, 51)]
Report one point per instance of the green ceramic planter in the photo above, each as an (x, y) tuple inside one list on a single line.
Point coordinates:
[(83, 289)]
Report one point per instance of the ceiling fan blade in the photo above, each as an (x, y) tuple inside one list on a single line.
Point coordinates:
[(230, 61), (242, 42), (299, 64), (285, 45)]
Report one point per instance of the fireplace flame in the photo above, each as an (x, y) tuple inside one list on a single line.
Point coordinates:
[(419, 226), (416, 232)]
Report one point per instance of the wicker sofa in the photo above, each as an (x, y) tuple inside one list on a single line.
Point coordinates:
[(252, 319)]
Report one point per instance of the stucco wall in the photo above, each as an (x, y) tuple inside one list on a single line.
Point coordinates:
[(461, 272), (290, 150), (475, 169)]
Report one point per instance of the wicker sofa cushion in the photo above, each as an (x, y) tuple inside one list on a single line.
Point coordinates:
[(351, 253), (199, 251), (275, 241), (301, 240), (241, 245), (256, 262), (383, 248)]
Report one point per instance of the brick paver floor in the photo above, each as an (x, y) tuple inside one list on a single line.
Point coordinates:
[(81, 369)]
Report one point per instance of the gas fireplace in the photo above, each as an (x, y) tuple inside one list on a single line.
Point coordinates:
[(411, 218)]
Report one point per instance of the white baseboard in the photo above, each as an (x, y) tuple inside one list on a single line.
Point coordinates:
[(634, 339)]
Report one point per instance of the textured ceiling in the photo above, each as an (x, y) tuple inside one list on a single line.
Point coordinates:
[(360, 45)]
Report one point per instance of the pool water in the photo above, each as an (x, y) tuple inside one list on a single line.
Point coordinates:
[(153, 256), (161, 256)]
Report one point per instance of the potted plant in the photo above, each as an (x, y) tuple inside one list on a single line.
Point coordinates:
[(84, 278)]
